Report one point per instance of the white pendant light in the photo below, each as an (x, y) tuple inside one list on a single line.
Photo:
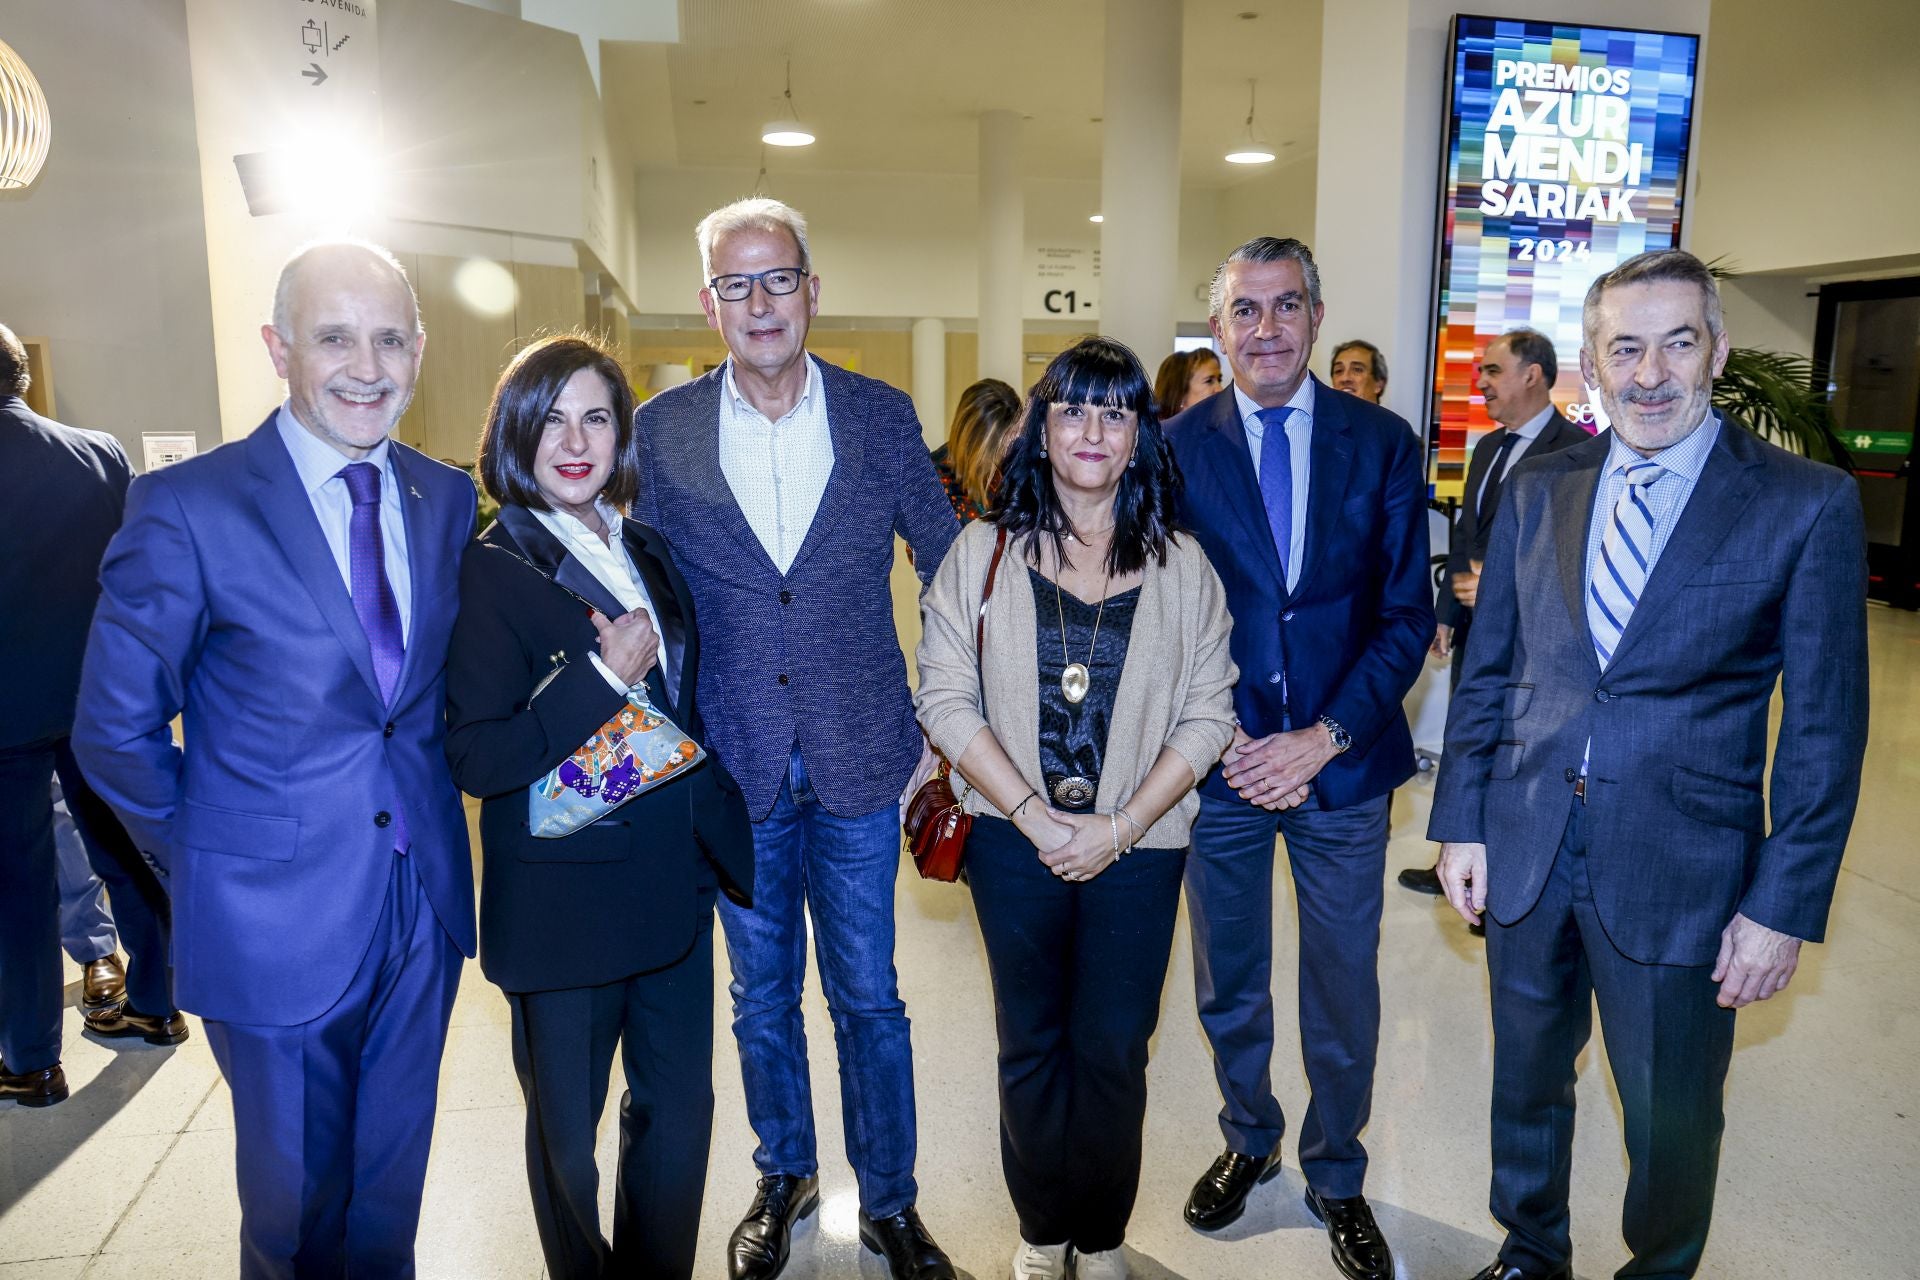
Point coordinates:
[(1250, 150), (788, 132), (26, 127)]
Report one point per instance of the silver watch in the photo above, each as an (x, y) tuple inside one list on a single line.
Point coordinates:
[(1341, 738)]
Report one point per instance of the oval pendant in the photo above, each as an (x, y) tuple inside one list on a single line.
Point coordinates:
[(1074, 682)]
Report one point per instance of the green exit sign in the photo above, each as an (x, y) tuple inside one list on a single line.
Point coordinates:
[(1878, 441)]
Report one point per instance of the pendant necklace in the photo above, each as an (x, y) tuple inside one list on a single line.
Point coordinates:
[(1075, 680)]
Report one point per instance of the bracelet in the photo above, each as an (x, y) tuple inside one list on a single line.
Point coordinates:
[(1015, 811), (1115, 824), (1122, 811)]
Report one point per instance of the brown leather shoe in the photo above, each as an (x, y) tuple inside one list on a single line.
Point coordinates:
[(127, 1021), (103, 984), (34, 1088)]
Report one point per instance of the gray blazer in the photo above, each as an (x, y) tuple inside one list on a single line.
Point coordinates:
[(810, 656)]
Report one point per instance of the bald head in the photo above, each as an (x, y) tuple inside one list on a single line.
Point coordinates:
[(369, 264)]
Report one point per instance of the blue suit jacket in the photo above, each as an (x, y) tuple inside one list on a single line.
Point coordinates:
[(811, 656), (221, 602), (1763, 579), (1351, 636)]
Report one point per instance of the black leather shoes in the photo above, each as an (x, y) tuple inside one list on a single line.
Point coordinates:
[(1501, 1271), (103, 984), (1421, 880), (902, 1239), (1220, 1197), (34, 1088), (124, 1020), (759, 1246), (1359, 1250)]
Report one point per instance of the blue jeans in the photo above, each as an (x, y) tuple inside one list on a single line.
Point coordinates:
[(1338, 859), (841, 871)]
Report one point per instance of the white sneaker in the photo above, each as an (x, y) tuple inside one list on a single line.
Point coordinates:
[(1040, 1262), (1109, 1264)]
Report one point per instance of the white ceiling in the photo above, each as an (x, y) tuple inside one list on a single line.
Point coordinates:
[(898, 85)]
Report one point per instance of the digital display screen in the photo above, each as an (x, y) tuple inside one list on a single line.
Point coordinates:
[(1565, 154)]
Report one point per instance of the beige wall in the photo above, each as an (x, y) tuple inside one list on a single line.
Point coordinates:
[(104, 255)]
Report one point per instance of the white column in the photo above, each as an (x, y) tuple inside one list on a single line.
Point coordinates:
[(930, 378), (1003, 232), (1140, 177)]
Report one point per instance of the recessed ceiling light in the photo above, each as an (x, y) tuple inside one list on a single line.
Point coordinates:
[(1096, 217), (1247, 15)]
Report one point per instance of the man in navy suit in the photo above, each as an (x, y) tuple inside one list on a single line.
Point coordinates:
[(1311, 504), (290, 595), (1601, 798), (64, 491)]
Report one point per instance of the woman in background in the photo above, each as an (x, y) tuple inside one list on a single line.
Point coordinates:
[(1185, 379), (969, 462)]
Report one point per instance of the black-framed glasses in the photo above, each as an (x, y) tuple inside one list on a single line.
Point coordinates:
[(778, 282)]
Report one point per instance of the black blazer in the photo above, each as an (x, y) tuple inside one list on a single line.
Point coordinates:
[(64, 492), (1469, 541), (626, 894)]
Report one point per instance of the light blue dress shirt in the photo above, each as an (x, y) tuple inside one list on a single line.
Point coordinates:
[(1300, 441), (319, 465), (1681, 464)]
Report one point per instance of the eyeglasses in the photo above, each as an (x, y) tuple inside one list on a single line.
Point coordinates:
[(778, 283)]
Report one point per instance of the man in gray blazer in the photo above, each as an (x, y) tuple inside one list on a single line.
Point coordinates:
[(779, 482), (1601, 797)]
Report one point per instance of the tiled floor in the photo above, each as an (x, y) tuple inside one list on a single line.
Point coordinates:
[(1821, 1174)]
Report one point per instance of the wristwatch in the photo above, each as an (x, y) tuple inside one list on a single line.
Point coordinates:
[(1341, 738)]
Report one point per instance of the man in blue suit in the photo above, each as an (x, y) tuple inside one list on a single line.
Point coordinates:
[(290, 595), (1601, 798), (1311, 504)]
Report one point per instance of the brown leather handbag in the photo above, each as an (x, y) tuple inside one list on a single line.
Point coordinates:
[(936, 823)]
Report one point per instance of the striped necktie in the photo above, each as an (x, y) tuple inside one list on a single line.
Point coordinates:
[(1620, 574)]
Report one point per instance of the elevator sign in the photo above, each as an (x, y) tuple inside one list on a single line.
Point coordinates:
[(1063, 283)]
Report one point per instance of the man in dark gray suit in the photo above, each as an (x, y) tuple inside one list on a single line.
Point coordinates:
[(779, 482), (1601, 797), (1516, 379)]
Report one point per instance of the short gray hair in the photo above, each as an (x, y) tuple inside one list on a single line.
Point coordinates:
[(1653, 267), (1264, 249), (1374, 357), (290, 270), (755, 213), (1530, 346)]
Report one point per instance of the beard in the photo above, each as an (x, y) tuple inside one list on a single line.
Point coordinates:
[(1681, 409)]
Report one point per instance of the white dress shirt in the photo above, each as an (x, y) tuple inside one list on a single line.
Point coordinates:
[(777, 470), (1523, 437), (1300, 443), (613, 568), (319, 465)]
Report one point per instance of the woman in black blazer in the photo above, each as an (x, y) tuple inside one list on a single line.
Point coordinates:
[(603, 937)]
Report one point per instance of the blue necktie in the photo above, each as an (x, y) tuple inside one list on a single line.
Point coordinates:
[(373, 598), (1276, 478)]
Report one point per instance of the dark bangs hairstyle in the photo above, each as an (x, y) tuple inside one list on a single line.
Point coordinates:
[(1096, 371), (517, 419)]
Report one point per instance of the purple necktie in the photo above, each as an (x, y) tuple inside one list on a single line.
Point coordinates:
[(1276, 479), (373, 595)]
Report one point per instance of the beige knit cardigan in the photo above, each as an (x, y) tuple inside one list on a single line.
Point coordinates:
[(1176, 688)]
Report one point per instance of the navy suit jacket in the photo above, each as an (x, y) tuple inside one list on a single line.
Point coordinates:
[(1762, 580), (810, 656), (1470, 539), (63, 491), (222, 603), (1352, 635)]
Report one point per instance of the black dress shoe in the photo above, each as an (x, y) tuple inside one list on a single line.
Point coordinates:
[(40, 1088), (1359, 1250), (125, 1020), (902, 1239), (1501, 1271), (1220, 1197), (103, 984), (1421, 880), (759, 1246)]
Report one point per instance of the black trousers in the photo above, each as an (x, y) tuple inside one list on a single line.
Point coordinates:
[(31, 994), (1077, 974), (1669, 1044), (563, 1046)]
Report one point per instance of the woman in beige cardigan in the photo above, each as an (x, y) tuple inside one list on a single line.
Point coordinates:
[(1107, 696)]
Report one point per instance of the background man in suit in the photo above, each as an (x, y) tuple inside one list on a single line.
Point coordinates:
[(779, 482), (64, 491), (1310, 503), (1516, 379), (1601, 796), (291, 594)]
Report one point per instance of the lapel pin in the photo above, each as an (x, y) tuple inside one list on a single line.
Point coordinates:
[(415, 492)]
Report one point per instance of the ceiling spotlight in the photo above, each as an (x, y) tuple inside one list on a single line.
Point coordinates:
[(1096, 217), (788, 132), (1251, 149)]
